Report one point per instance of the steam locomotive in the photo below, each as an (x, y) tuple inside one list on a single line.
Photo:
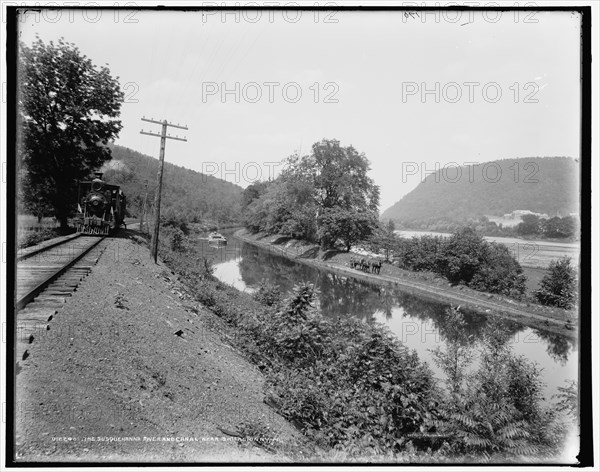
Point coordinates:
[(100, 207)]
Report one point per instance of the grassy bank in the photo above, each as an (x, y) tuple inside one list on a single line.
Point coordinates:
[(427, 285), (358, 393)]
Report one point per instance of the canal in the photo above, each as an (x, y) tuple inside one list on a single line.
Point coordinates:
[(418, 323)]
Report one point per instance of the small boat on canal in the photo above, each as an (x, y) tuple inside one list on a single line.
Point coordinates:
[(217, 238)]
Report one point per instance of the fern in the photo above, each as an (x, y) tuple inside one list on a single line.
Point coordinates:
[(496, 410)]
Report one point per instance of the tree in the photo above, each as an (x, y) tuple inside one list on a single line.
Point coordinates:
[(557, 227), (32, 202), (341, 182), (253, 192), (531, 224), (558, 286), (325, 195), (347, 225), (463, 255), (384, 239), (499, 272), (467, 258), (68, 112)]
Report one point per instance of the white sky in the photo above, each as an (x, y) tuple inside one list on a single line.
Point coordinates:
[(164, 58)]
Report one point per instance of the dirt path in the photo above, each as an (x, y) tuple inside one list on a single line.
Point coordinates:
[(430, 287), (130, 356)]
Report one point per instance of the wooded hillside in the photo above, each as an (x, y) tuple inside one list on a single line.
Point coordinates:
[(190, 194)]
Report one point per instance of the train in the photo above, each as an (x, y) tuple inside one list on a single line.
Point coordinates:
[(100, 207)]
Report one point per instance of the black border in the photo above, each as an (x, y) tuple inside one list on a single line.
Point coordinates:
[(585, 456), (586, 452)]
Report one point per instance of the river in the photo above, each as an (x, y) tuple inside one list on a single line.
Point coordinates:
[(418, 323)]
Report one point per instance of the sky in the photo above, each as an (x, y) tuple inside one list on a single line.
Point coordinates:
[(411, 93)]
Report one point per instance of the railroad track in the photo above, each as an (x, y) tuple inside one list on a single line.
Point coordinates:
[(45, 279)]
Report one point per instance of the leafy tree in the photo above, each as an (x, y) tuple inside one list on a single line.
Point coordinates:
[(253, 192), (326, 195), (347, 225), (384, 239), (466, 258), (69, 112), (341, 181), (557, 227), (569, 226), (462, 255), (331, 186), (559, 286), (531, 224), (33, 202), (499, 272), (176, 219), (421, 253), (341, 176)]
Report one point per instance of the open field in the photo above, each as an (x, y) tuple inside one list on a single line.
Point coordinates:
[(27, 223)]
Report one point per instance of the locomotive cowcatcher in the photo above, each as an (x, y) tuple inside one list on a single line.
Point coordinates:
[(100, 207)]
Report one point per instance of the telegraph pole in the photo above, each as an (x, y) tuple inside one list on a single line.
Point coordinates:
[(143, 212), (163, 141)]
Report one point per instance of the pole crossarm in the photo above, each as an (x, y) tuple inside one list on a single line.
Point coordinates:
[(159, 177), (158, 135), (168, 136), (152, 120), (149, 133)]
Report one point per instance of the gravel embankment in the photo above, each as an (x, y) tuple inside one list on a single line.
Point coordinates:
[(130, 355)]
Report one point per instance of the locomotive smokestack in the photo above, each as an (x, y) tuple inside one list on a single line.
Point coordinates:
[(99, 175)]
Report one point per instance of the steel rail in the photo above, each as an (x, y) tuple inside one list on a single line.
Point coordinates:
[(34, 292), (21, 257)]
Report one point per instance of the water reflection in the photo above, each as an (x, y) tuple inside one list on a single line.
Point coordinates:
[(419, 323), (558, 347)]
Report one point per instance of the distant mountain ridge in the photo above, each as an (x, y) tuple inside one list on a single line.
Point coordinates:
[(540, 184), (188, 193)]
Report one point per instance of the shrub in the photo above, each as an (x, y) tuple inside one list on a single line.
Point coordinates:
[(177, 238), (499, 272), (366, 395), (465, 258), (175, 219), (347, 384), (355, 388), (296, 333), (420, 253), (496, 409), (558, 286), (174, 251), (568, 398), (36, 237), (462, 255), (268, 294)]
